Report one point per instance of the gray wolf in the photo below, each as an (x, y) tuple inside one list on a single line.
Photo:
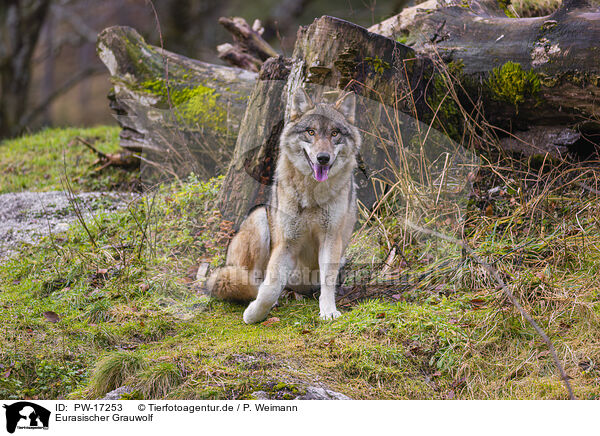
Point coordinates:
[(310, 218)]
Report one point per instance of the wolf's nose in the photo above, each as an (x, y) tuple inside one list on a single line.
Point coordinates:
[(323, 158)]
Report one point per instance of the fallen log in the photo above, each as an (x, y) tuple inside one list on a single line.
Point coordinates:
[(542, 71), (520, 75), (182, 113)]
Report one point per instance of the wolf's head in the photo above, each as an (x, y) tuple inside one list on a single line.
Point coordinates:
[(321, 139)]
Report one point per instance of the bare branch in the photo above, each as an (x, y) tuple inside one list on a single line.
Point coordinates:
[(494, 273), (249, 50), (77, 23)]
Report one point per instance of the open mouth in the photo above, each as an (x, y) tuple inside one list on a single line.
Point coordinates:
[(321, 172)]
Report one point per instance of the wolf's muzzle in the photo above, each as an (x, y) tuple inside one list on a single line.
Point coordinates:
[(323, 158)]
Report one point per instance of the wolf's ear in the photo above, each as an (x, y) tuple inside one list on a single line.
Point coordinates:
[(346, 105), (301, 103)]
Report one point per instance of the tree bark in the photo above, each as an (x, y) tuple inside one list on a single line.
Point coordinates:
[(181, 113), (521, 75), (21, 22), (252, 167)]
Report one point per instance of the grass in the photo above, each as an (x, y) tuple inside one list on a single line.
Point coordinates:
[(131, 315), (38, 162), (534, 8), (115, 369)]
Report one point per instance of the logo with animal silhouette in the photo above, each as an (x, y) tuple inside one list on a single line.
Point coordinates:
[(26, 415)]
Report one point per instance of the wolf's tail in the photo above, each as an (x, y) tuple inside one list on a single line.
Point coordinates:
[(232, 283)]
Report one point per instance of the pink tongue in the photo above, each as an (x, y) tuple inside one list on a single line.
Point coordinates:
[(321, 172)]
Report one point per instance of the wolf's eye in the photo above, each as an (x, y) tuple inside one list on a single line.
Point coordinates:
[(334, 133), (311, 132)]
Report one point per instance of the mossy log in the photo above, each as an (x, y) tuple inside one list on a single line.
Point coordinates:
[(542, 71), (521, 74), (183, 114)]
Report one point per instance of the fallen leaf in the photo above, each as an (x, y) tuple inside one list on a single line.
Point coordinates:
[(458, 383), (477, 303), (380, 315), (51, 316), (271, 321)]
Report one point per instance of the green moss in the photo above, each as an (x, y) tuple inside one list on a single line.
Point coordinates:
[(402, 39), (193, 105), (513, 84), (448, 118), (425, 345), (378, 64), (504, 6)]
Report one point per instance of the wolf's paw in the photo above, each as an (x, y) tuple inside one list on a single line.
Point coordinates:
[(255, 313), (330, 314)]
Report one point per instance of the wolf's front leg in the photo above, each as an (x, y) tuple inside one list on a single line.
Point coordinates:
[(330, 255), (278, 270)]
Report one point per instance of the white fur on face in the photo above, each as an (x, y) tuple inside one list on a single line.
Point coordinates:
[(301, 150), (294, 147)]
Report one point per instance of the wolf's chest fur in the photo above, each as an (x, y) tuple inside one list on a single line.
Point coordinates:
[(298, 192)]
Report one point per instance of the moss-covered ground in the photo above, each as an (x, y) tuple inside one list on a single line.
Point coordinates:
[(39, 162), (79, 319)]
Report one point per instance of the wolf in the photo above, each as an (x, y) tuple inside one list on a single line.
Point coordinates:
[(312, 212)]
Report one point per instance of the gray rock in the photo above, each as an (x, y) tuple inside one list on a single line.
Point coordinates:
[(311, 393), (260, 395), (25, 217), (317, 393), (118, 393)]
